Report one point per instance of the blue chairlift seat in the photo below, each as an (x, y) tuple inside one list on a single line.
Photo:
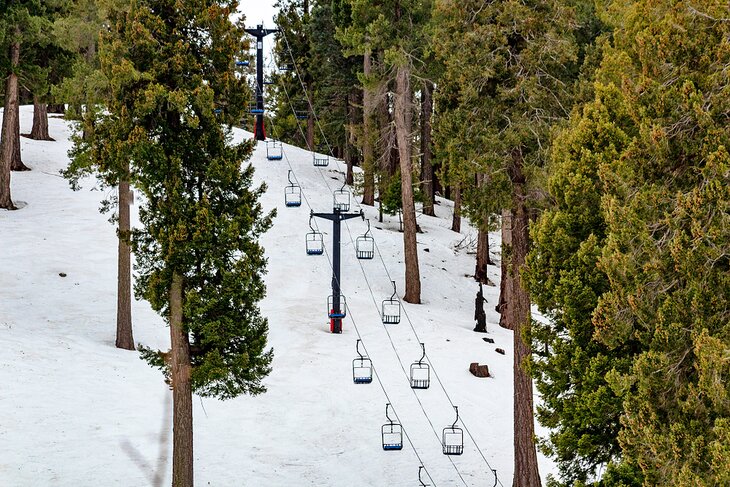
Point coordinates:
[(314, 243), (242, 63), (331, 308), (292, 193), (257, 111), (391, 433), (274, 150), (362, 367)]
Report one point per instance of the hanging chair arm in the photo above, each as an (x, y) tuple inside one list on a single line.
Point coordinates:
[(423, 348), (456, 408), (394, 291), (357, 348)]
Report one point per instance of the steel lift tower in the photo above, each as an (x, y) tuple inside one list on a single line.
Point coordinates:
[(259, 132)]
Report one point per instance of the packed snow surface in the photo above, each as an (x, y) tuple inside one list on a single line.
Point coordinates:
[(76, 411)]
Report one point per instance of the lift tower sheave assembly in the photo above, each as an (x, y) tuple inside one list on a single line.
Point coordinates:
[(259, 133), (336, 313)]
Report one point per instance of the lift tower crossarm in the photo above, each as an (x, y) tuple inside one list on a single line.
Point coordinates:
[(337, 216), (259, 33)]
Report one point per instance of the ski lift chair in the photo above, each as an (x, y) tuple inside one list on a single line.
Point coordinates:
[(452, 439), (331, 307), (391, 309), (320, 161), (256, 111), (365, 245), (274, 150), (392, 433), (421, 483), (314, 240), (242, 63), (292, 193), (301, 114), (341, 199), (362, 367), (420, 372)]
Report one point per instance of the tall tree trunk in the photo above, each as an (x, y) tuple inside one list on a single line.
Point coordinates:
[(7, 136), (403, 120), (518, 315), (40, 121), (125, 339), (348, 154), (456, 220), (505, 282), (16, 164), (426, 166), (368, 164), (182, 396), (480, 273)]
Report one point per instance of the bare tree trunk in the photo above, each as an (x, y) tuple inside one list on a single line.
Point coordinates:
[(426, 167), (505, 283), (182, 396), (403, 120), (526, 472), (368, 165), (7, 136), (40, 121), (456, 221), (16, 163), (125, 339), (480, 273)]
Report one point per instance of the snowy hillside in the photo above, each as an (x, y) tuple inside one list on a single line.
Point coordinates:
[(76, 411)]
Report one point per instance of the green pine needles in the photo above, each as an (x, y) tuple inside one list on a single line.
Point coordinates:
[(172, 93)]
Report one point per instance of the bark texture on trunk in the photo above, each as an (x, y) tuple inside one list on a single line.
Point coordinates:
[(480, 273), (368, 164), (17, 162), (403, 120), (7, 136), (426, 165), (125, 339), (526, 472), (456, 220), (40, 121), (182, 395), (505, 283)]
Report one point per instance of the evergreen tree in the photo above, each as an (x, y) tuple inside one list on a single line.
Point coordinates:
[(398, 30), (510, 66), (668, 231), (578, 405), (23, 24), (170, 66)]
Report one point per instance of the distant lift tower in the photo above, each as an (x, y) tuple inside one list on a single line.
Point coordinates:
[(336, 307), (259, 132)]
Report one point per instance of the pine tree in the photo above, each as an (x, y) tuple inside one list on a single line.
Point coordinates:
[(578, 405), (87, 89), (171, 68), (668, 231), (510, 67), (398, 30), (23, 23)]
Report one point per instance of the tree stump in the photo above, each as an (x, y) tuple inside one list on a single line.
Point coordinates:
[(479, 370)]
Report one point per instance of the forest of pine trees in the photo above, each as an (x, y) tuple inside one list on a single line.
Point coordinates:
[(594, 136)]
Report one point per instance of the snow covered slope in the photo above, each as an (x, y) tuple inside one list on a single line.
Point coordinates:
[(75, 411)]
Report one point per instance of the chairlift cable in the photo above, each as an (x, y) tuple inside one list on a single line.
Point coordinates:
[(357, 331), (433, 368)]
